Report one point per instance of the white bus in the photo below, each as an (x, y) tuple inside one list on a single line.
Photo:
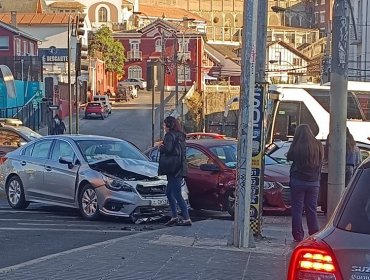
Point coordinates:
[(310, 104)]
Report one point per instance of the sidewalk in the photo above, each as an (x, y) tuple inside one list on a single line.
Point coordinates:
[(186, 253)]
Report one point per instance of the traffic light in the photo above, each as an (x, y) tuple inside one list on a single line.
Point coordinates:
[(81, 58), (80, 25)]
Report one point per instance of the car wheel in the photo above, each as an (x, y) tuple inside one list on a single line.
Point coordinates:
[(88, 203), (229, 202), (15, 193)]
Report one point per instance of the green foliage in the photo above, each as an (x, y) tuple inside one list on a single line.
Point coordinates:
[(104, 46), (194, 118)]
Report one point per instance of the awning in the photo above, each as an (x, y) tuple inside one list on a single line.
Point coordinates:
[(208, 77)]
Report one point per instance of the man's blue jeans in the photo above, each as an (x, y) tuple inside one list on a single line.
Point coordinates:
[(173, 192), (304, 196)]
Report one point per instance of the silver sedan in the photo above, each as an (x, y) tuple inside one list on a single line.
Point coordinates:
[(98, 175)]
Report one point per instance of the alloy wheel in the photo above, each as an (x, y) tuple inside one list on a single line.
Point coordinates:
[(14, 192), (89, 202)]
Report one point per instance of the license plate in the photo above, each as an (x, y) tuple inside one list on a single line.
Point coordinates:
[(158, 202), (93, 114)]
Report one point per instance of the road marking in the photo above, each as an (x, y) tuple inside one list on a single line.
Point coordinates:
[(68, 230), (61, 224)]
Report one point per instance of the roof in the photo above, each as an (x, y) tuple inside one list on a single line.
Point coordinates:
[(67, 5), (34, 18), (17, 31), (173, 13), (227, 50), (23, 6), (290, 48)]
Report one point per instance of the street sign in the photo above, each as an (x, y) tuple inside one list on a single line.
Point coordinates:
[(53, 54), (38, 95)]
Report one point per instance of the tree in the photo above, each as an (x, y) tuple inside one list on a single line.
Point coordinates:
[(111, 51)]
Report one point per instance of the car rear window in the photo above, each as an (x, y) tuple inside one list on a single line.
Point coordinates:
[(356, 214), (93, 104)]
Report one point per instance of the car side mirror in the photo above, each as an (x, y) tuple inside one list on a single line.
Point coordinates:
[(209, 167), (67, 160)]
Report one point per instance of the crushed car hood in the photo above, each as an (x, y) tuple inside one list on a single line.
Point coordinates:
[(125, 168)]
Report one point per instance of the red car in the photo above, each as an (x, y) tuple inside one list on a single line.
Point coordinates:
[(96, 109), (212, 176), (204, 135)]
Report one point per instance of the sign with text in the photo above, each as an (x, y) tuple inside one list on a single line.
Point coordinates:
[(53, 55), (257, 158)]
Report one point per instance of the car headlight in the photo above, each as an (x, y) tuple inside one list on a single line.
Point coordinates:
[(117, 185)]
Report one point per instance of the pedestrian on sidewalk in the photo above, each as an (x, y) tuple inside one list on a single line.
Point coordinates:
[(306, 153), (353, 156), (62, 127), (56, 124), (172, 162)]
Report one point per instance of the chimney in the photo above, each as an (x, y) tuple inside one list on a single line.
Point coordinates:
[(136, 6), (13, 18)]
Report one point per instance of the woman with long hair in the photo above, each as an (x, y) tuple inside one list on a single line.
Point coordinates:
[(172, 162), (306, 153)]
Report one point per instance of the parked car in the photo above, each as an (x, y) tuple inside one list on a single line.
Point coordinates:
[(204, 135), (212, 176), (13, 135), (98, 175), (104, 99), (126, 92), (136, 82), (96, 109), (341, 249)]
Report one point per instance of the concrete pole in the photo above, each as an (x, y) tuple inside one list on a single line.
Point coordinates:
[(176, 73), (69, 76), (338, 104), (241, 233)]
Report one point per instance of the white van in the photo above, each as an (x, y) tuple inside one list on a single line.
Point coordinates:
[(310, 103), (105, 100)]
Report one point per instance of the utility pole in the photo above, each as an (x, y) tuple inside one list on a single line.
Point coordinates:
[(176, 73), (338, 103), (69, 76), (162, 74), (241, 233), (154, 75)]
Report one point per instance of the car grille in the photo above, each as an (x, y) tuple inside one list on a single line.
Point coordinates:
[(151, 191)]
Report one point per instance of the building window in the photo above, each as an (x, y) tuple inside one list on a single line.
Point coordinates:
[(322, 16), (25, 48), (18, 48), (316, 17), (135, 72), (322, 2), (181, 75), (102, 15), (158, 45), (4, 43), (32, 49)]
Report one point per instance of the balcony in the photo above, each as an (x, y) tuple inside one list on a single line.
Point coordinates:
[(134, 55), (183, 56)]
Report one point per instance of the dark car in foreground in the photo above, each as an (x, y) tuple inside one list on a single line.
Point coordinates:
[(13, 135), (212, 176), (341, 250), (98, 175)]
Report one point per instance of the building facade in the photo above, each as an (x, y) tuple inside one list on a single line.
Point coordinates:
[(158, 43)]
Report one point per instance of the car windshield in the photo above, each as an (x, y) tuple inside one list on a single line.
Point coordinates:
[(228, 155), (29, 133), (93, 104), (356, 214), (95, 150)]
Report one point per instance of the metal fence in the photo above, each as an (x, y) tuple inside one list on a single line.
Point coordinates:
[(31, 116)]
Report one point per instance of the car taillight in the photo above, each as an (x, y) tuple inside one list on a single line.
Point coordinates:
[(313, 259), (3, 159)]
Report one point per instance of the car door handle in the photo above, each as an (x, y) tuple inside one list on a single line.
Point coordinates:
[(23, 163), (47, 168)]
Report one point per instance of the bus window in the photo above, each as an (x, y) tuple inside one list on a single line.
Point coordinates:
[(354, 110), (289, 115)]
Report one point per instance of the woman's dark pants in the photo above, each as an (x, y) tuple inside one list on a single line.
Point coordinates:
[(304, 196), (173, 192)]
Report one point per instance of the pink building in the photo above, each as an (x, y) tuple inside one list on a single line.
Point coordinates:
[(144, 47)]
